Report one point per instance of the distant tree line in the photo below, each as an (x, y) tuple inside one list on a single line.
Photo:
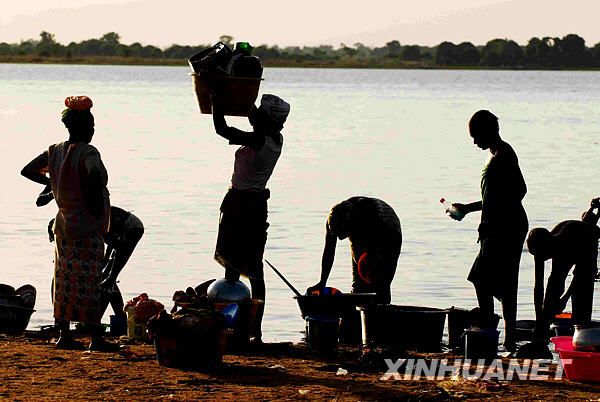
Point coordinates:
[(569, 51)]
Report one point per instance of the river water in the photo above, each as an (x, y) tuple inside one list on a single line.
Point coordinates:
[(399, 135)]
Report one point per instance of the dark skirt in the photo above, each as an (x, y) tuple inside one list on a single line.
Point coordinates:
[(243, 232), (496, 267)]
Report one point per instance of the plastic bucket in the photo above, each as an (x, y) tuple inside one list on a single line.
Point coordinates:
[(322, 333), (481, 343), (406, 327), (237, 94), (562, 329), (136, 329), (244, 323), (459, 319), (338, 305), (525, 330), (118, 325)]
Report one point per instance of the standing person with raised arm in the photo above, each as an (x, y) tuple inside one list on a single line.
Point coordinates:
[(503, 226), (243, 221)]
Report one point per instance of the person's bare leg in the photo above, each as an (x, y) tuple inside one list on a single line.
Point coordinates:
[(259, 293), (65, 340)]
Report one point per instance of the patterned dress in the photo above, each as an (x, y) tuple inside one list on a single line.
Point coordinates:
[(78, 233)]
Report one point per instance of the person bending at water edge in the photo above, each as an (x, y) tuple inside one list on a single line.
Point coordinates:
[(592, 218), (375, 236), (78, 180), (243, 219), (570, 243), (503, 227)]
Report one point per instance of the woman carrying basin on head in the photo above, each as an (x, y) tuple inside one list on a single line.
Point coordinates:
[(243, 222)]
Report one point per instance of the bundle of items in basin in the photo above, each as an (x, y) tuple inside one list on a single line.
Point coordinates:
[(188, 337), (234, 75), (229, 297)]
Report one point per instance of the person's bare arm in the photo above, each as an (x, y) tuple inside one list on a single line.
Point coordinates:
[(234, 135), (467, 208), (590, 216), (326, 261), (45, 196), (562, 304), (37, 169), (538, 289)]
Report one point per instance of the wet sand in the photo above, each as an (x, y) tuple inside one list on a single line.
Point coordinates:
[(34, 369)]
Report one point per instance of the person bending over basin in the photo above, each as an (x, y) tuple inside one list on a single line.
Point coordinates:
[(375, 236), (569, 244)]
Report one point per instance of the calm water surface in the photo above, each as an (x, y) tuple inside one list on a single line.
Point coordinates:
[(398, 135)]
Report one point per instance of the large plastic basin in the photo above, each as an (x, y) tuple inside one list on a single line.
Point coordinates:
[(407, 327), (578, 366)]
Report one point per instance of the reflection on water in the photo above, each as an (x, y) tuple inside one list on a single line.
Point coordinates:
[(398, 135)]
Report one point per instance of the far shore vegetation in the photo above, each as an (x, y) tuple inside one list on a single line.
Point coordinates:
[(568, 52)]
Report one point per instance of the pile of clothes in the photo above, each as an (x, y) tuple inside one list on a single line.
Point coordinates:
[(141, 308)]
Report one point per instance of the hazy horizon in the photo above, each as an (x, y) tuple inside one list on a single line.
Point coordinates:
[(310, 23)]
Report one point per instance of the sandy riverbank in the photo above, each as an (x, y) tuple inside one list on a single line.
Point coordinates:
[(34, 369)]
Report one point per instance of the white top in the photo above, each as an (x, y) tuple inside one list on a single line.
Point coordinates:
[(253, 168)]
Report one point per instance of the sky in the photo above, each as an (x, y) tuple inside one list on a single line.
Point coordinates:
[(300, 23)]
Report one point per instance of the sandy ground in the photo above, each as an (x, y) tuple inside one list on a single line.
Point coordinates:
[(34, 369)]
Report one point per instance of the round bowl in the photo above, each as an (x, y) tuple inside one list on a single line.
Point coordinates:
[(586, 338), (223, 290)]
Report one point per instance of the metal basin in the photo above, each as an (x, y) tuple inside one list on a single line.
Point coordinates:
[(333, 305), (587, 338)]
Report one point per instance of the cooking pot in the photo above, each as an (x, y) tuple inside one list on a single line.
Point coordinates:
[(586, 338)]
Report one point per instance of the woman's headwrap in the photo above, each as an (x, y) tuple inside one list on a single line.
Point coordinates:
[(276, 108), (77, 114)]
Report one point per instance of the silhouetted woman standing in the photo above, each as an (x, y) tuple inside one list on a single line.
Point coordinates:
[(78, 180), (503, 227)]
